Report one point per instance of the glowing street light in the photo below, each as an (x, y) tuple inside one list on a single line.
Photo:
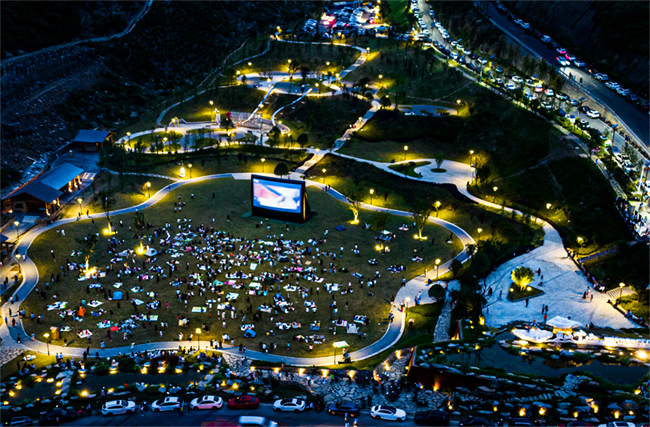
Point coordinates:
[(79, 199), (148, 185), (372, 191), (47, 336), (328, 63), (458, 101), (189, 166), (289, 61), (17, 231), (437, 267), (437, 205), (324, 170), (406, 148), (620, 286), (471, 157), (480, 230), (250, 64), (580, 241), (263, 160), (381, 76), (495, 193), (211, 103)]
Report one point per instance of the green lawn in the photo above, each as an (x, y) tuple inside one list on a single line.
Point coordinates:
[(408, 168), (638, 308), (314, 57), (133, 193), (517, 293), (357, 179), (324, 120), (232, 198)]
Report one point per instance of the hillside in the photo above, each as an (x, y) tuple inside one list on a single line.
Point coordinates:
[(30, 26), (46, 99), (612, 35)]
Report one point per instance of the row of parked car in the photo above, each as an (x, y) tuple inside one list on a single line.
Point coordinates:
[(566, 59)]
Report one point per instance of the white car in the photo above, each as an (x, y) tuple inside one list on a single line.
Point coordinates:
[(118, 407), (617, 424), (530, 83), (511, 86), (601, 77), (578, 63), (454, 56), (593, 114), (545, 105), (570, 57), (248, 421), (289, 405), (517, 79), (206, 402), (563, 61), (549, 92), (389, 413), (623, 91), (170, 403)]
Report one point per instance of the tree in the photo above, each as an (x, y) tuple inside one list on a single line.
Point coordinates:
[(354, 206), (440, 157), (379, 219), (107, 201), (281, 169), (385, 101), (89, 243), (437, 292), (303, 140), (456, 265), (482, 173), (421, 214), (274, 136), (139, 222), (304, 71), (522, 276)]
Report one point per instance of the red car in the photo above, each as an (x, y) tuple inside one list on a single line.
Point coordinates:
[(244, 402)]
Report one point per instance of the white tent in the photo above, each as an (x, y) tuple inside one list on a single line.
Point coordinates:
[(533, 335), (150, 252), (352, 328), (563, 323)]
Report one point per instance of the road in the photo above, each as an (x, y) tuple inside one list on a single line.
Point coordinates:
[(637, 121), (226, 417), (593, 86)]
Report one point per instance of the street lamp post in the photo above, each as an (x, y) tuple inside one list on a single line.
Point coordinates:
[(437, 205), (437, 267), (189, 166), (480, 230), (372, 191), (263, 160), (471, 157), (406, 148), (79, 200), (548, 209), (198, 337), (47, 336), (620, 294), (324, 170), (580, 241), (148, 185), (495, 193), (17, 231)]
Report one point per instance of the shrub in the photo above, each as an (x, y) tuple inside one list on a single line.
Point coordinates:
[(522, 276)]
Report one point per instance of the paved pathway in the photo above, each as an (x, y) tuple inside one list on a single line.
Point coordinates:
[(390, 338)]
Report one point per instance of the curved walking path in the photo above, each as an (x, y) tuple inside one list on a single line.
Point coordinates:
[(389, 339)]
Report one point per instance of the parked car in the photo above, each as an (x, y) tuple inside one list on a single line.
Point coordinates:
[(118, 407), (617, 424), (289, 405), (389, 413), (574, 102), (570, 57), (563, 61), (632, 97), (520, 422), (546, 39), (342, 408), (244, 402), (58, 416), (511, 86), (579, 63), (475, 421), (612, 85), (170, 403), (432, 418), (561, 50), (206, 402), (517, 79), (593, 114), (561, 96), (549, 92), (19, 421), (601, 77), (248, 421), (622, 91)]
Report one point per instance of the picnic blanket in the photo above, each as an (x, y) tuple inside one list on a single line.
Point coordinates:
[(85, 333), (104, 324), (59, 305), (138, 301), (95, 303), (199, 309), (118, 284), (360, 319), (232, 296), (253, 266)]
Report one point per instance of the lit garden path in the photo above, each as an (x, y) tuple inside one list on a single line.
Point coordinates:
[(564, 283), (393, 332)]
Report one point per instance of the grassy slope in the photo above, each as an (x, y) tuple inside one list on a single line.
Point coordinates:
[(230, 201)]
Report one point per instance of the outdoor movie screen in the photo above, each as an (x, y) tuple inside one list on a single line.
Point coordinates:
[(278, 196)]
